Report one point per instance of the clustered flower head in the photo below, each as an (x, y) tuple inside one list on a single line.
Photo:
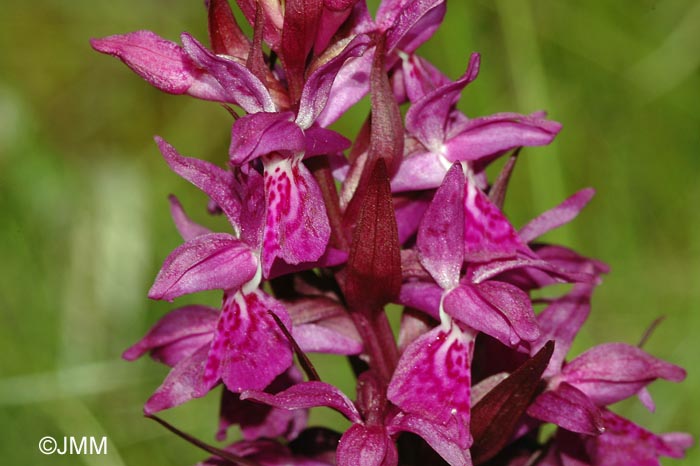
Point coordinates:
[(327, 231)]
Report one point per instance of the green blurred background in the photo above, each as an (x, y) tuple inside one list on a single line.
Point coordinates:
[(85, 223)]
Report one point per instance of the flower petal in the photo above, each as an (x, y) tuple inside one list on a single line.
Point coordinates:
[(421, 295), (487, 136), (527, 273), (318, 85), (262, 133), (487, 233), (557, 216), (614, 371), (185, 226), (427, 119), (214, 181), (240, 85), (432, 379), (323, 338), (496, 308), (625, 443), (162, 63), (418, 171), (249, 350), (415, 22), (208, 262), (440, 240), (296, 227), (568, 407), (366, 446), (350, 85), (322, 141), (308, 395), (560, 321), (436, 436), (183, 383), (409, 209), (181, 325)]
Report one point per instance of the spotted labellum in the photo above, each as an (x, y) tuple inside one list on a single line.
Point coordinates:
[(330, 235)]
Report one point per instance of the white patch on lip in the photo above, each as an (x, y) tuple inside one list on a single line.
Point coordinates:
[(254, 282)]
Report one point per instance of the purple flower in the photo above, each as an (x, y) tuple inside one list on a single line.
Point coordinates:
[(623, 443), (322, 241), (370, 440), (444, 135)]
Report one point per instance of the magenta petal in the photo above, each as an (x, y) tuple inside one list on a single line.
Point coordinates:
[(498, 309), (436, 436), (322, 141), (525, 272), (567, 407), (645, 398), (420, 170), (625, 443), (308, 395), (296, 228), (409, 209), (427, 119), (314, 307), (415, 23), (614, 371), (485, 136), (216, 261), (262, 133), (249, 350), (185, 226), (160, 62), (570, 261), (330, 258), (176, 351), (440, 240), (420, 77), (433, 378), (487, 233), (318, 85), (214, 181), (181, 326), (556, 217), (366, 446), (421, 295), (240, 85), (561, 321), (183, 383), (350, 85), (320, 338)]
